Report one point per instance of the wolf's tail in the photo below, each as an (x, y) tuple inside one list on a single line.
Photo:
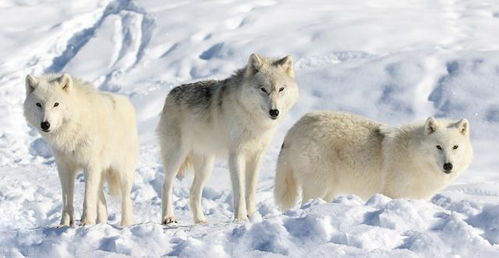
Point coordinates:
[(286, 189), (186, 165)]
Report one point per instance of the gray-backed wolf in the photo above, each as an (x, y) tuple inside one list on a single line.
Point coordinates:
[(234, 118)]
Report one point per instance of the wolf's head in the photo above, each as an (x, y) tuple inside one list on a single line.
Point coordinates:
[(446, 145), (46, 105), (269, 87)]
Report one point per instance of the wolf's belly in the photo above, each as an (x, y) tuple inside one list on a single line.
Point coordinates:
[(207, 141)]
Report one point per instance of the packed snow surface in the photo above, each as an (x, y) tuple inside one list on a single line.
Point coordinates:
[(392, 61)]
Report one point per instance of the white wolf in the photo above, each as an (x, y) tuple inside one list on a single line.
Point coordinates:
[(87, 130), (235, 117), (331, 153)]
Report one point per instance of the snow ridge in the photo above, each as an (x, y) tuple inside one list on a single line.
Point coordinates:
[(137, 27)]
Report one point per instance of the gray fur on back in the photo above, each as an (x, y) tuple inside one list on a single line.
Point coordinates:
[(201, 95)]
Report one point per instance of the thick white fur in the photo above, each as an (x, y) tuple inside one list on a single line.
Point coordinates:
[(331, 153), (91, 131), (235, 123)]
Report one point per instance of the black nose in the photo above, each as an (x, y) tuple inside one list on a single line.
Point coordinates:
[(45, 125), (274, 113), (447, 167)]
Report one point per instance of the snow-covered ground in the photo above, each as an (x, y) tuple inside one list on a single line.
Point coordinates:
[(393, 61)]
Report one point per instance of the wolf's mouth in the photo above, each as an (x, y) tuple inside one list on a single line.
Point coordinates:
[(46, 131), (447, 172)]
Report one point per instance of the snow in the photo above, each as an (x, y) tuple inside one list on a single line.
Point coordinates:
[(392, 61)]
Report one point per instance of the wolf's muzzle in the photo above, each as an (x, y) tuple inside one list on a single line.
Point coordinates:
[(448, 167), (274, 113), (45, 126)]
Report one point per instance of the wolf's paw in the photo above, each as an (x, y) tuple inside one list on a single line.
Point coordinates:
[(201, 221), (66, 220), (126, 223), (102, 220), (169, 220), (63, 226), (65, 223), (86, 222), (240, 219)]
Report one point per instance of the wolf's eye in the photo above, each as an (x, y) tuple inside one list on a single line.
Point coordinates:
[(439, 147), (281, 89), (38, 104), (455, 147), (263, 89), (56, 104)]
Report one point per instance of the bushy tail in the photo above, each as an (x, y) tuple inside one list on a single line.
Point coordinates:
[(168, 137), (286, 189), (184, 167)]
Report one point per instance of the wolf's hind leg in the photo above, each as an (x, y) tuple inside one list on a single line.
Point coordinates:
[(203, 166), (313, 188), (172, 160), (126, 200)]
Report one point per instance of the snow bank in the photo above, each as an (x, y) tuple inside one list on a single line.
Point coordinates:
[(346, 226)]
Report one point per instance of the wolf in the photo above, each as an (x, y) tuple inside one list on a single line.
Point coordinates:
[(87, 130), (329, 153), (234, 118)]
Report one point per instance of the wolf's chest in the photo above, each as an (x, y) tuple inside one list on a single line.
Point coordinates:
[(73, 147)]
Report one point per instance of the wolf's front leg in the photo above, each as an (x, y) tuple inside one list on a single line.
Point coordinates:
[(102, 206), (237, 166), (252, 172), (92, 184), (67, 178)]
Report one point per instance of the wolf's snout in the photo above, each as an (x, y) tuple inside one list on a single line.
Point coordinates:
[(45, 126), (448, 167), (274, 113)]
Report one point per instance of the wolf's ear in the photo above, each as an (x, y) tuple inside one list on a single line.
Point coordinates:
[(463, 126), (286, 63), (255, 63), (65, 82), (430, 126), (31, 83)]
